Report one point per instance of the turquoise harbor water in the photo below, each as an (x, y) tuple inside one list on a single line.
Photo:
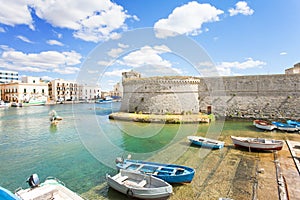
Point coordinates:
[(29, 144)]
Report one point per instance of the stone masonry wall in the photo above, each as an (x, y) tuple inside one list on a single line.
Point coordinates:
[(263, 96), (259, 96), (160, 96)]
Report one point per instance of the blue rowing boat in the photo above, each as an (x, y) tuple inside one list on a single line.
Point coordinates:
[(285, 126), (168, 172), (7, 195), (293, 122), (206, 142)]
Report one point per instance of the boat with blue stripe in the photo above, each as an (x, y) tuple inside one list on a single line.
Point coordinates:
[(170, 173), (206, 142), (285, 126)]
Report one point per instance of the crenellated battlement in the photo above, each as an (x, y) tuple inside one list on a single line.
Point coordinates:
[(257, 96)]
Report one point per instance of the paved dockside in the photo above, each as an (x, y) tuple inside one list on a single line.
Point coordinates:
[(230, 172)]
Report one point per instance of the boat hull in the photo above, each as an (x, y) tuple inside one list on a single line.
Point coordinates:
[(167, 172), (50, 189), (7, 195), (285, 127), (250, 144), (264, 125), (129, 183), (205, 142)]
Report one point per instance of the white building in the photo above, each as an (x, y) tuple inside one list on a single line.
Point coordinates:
[(293, 70), (30, 87), (62, 90), (117, 90), (87, 92), (8, 76)]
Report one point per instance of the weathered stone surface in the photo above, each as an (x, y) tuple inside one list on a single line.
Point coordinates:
[(260, 96)]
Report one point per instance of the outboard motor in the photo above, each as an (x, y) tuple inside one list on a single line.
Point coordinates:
[(33, 181), (119, 160)]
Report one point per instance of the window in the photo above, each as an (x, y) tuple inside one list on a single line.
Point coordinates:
[(33, 81), (43, 91), (33, 90)]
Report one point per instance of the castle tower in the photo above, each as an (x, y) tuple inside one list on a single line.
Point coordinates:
[(160, 95)]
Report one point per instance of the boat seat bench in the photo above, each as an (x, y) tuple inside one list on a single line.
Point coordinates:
[(135, 184), (121, 179)]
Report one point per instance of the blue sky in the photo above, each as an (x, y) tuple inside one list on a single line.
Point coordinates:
[(52, 39)]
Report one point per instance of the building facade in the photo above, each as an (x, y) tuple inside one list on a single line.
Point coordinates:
[(293, 70), (30, 87), (62, 90), (88, 93), (8, 76)]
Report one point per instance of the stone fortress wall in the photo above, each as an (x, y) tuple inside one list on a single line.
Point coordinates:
[(259, 96), (160, 95)]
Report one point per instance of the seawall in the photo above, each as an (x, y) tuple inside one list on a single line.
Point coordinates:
[(258, 96), (261, 96)]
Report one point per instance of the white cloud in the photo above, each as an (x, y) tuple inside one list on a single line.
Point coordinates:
[(224, 68), (147, 56), (116, 72), (283, 53), (24, 39), (241, 7), (187, 19), (92, 20), (16, 12), (117, 51), (47, 61), (2, 30), (55, 42), (105, 63), (67, 70)]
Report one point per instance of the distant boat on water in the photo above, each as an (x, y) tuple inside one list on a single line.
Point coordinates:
[(265, 125), (36, 101), (137, 185), (206, 142), (168, 172), (257, 143), (3, 104)]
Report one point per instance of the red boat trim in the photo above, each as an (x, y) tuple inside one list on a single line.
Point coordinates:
[(247, 147)]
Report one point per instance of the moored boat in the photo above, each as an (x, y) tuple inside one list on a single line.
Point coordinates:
[(168, 172), (7, 195), (206, 142), (3, 104), (139, 185), (285, 127), (50, 189), (36, 101), (257, 143), (265, 125), (294, 123)]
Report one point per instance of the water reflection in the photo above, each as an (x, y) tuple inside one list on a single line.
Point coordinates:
[(53, 128)]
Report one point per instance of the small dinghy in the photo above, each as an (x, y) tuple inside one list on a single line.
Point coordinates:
[(265, 125), (257, 143), (285, 127), (50, 189), (206, 142), (168, 172), (7, 195), (139, 185)]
